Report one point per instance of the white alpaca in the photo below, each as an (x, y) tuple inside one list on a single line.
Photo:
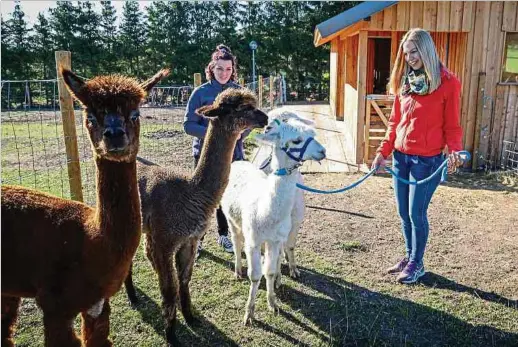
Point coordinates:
[(258, 206), (275, 118)]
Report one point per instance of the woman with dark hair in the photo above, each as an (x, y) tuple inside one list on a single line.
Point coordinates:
[(221, 73)]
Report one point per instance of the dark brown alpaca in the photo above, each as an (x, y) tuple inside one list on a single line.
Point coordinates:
[(72, 258), (176, 208)]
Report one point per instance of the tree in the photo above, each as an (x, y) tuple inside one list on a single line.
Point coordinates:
[(17, 35), (108, 38), (132, 37), (87, 44)]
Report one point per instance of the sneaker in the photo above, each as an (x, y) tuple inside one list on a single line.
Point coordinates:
[(400, 266), (198, 249), (411, 273), (225, 242)]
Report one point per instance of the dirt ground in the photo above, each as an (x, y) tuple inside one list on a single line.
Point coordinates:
[(473, 238)]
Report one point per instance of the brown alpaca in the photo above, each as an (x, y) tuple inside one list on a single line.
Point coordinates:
[(72, 258), (176, 209)]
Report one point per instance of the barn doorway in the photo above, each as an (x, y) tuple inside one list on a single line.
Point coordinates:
[(378, 60)]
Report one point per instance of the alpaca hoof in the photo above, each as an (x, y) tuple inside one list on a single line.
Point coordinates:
[(273, 308), (238, 274), (248, 320), (294, 272)]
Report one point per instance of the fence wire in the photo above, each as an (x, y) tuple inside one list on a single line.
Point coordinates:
[(33, 142)]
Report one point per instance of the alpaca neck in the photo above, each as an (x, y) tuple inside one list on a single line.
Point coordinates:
[(118, 201), (213, 169), (282, 189), (281, 161)]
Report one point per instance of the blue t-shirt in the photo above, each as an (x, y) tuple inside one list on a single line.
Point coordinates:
[(196, 125)]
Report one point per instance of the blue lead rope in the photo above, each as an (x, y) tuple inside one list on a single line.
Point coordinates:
[(443, 169)]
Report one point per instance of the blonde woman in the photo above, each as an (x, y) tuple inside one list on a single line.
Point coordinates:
[(423, 127)]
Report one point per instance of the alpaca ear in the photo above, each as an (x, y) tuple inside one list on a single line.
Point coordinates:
[(73, 83), (208, 111), (150, 83)]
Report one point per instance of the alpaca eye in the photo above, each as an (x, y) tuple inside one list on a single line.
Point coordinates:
[(268, 128), (297, 142), (135, 114)]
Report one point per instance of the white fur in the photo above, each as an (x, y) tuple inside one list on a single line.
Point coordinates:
[(96, 309), (259, 208)]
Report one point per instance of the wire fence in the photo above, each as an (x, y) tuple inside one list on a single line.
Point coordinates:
[(33, 142)]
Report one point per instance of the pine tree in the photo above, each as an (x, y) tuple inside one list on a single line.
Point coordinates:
[(108, 36), (132, 37), (17, 38), (88, 41)]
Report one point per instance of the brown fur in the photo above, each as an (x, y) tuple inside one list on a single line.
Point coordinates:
[(65, 254), (176, 208)]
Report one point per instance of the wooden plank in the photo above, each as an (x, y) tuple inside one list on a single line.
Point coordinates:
[(367, 130), (362, 85), (472, 68), (271, 91), (333, 76), (483, 11), (394, 45), (380, 113), (495, 144), (503, 119), (467, 16), (509, 20), (511, 114), (376, 22), (492, 71), (389, 18), (340, 81), (430, 15), (402, 10), (350, 30), (416, 14), (443, 16), (197, 79), (478, 157), (260, 93), (456, 15), (66, 104)]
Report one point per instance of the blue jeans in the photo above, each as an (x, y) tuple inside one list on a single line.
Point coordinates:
[(412, 201)]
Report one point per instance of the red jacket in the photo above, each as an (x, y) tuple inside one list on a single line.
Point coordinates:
[(434, 123)]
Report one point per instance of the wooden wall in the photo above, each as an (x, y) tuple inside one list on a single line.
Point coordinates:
[(441, 16)]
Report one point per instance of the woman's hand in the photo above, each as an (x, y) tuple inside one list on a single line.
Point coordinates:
[(379, 163), (454, 161)]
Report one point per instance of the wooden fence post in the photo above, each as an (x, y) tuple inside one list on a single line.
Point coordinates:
[(197, 79), (241, 81), (271, 91), (478, 120), (66, 104), (260, 93)]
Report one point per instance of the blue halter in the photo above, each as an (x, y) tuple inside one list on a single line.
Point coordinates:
[(291, 152)]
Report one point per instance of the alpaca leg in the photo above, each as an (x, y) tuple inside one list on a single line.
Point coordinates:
[(168, 281), (59, 330), (278, 276), (95, 325), (290, 251), (185, 263), (237, 241), (253, 257), (10, 307), (130, 288), (271, 261)]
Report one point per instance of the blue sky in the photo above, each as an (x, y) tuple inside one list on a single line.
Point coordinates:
[(32, 8)]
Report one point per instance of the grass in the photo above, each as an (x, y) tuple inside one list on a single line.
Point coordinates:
[(325, 308), (351, 246)]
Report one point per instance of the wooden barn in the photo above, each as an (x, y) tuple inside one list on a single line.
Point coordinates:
[(478, 41)]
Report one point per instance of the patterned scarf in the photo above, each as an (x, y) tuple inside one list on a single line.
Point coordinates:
[(416, 82)]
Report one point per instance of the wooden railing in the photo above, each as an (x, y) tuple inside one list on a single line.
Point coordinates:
[(378, 108)]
